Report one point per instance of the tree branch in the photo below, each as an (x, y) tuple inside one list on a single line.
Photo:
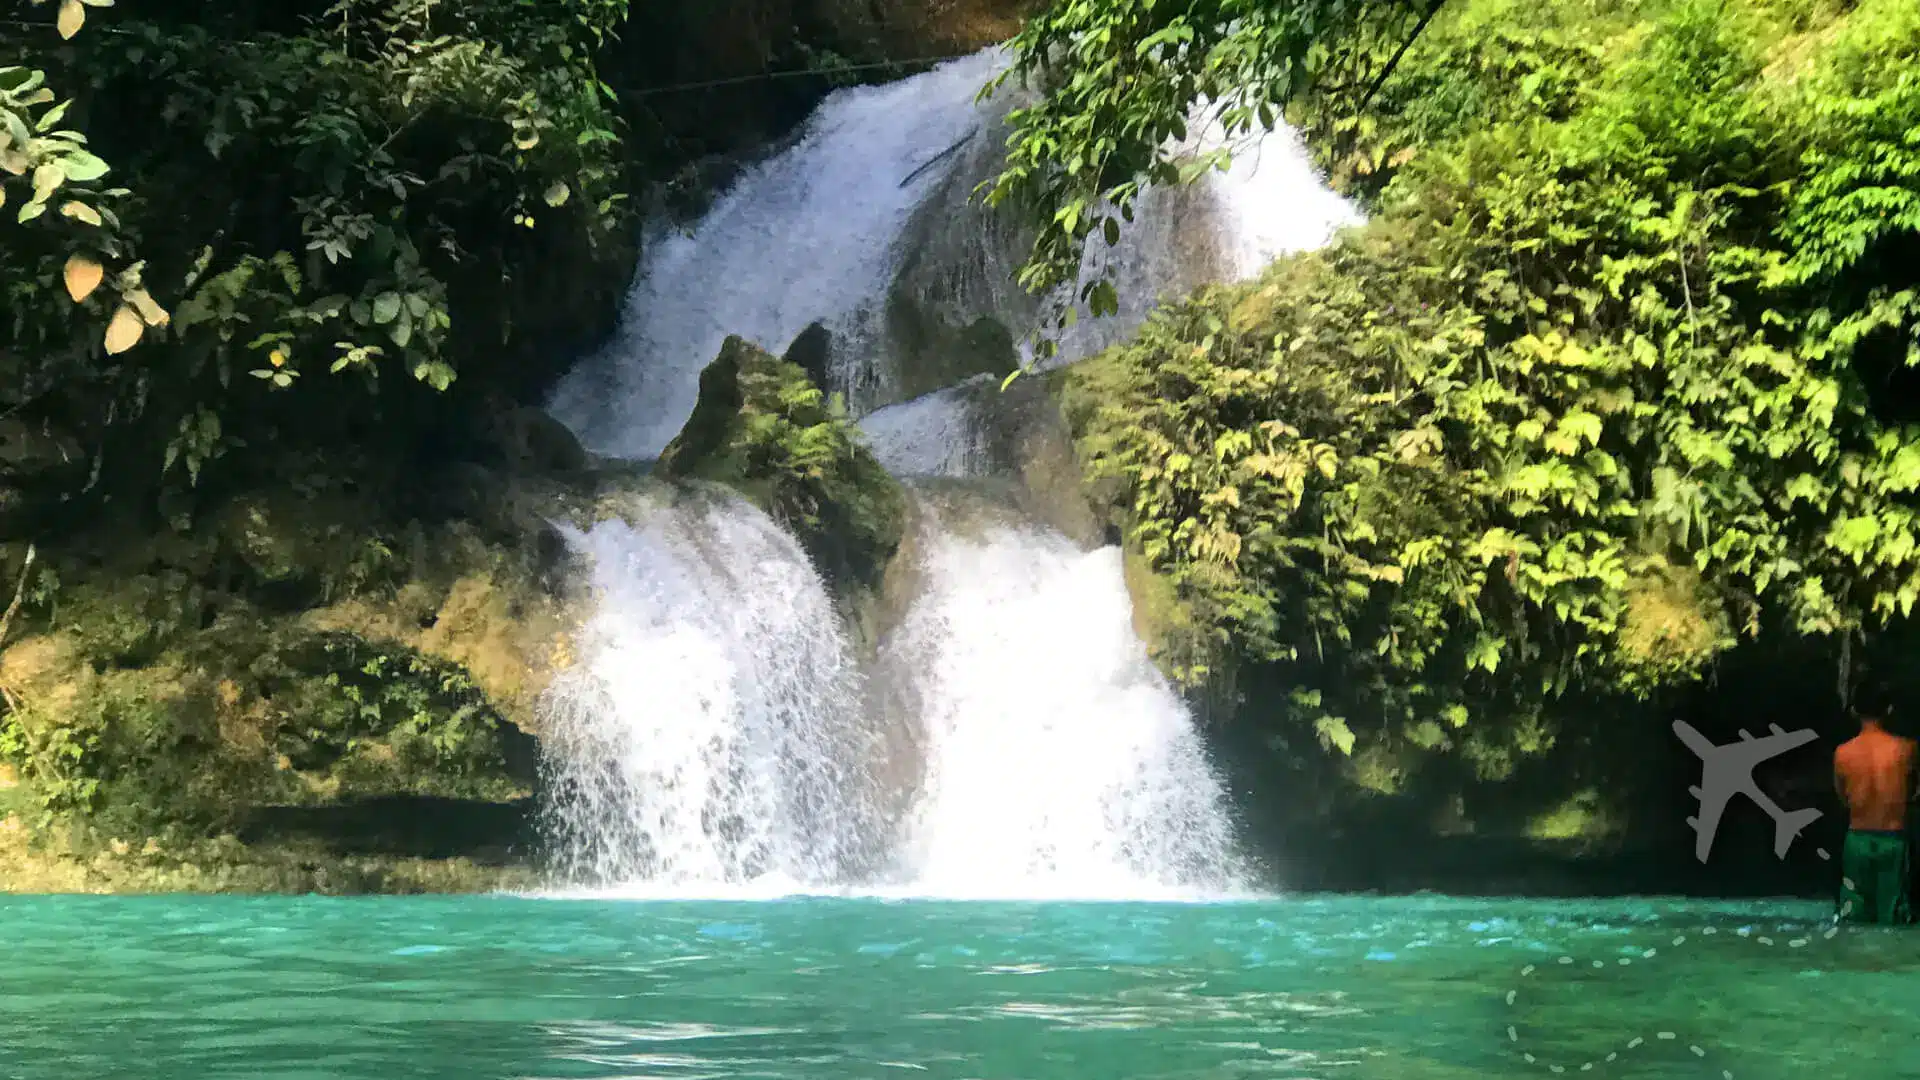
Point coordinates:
[(1387, 72), (19, 593)]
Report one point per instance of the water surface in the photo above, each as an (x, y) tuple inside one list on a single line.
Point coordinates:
[(1361, 988)]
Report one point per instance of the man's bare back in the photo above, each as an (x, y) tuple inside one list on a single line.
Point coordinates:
[(1874, 771)]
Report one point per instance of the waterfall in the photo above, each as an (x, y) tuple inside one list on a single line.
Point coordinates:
[(937, 434), (711, 734), (1228, 226), (1060, 763), (875, 198), (714, 739), (806, 236), (1006, 734)]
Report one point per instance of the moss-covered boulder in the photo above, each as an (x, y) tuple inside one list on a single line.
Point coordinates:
[(762, 427)]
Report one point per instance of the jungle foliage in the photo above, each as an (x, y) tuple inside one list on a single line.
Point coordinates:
[(1619, 373), (227, 223)]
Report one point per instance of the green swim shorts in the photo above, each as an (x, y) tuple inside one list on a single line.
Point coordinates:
[(1873, 865)]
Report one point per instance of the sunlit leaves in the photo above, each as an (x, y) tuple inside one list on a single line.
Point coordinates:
[(82, 276), (73, 15), (124, 331), (151, 313), (82, 167), (1335, 733), (47, 179)]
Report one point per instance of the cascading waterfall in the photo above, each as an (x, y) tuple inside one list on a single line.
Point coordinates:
[(807, 236), (711, 734), (720, 735), (1060, 763), (937, 434), (877, 195), (1228, 226)]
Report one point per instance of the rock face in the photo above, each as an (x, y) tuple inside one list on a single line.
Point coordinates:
[(955, 306), (269, 665), (35, 459), (1011, 437), (917, 28), (812, 352), (763, 427)]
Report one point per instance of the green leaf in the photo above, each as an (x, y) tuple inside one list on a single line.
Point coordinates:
[(52, 116), (82, 167), (47, 179), (1334, 732), (1485, 653), (1103, 300), (386, 308), (1854, 536)]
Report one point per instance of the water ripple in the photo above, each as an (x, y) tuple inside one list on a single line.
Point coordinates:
[(213, 989)]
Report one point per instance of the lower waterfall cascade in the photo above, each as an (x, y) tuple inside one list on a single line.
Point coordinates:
[(1059, 762), (709, 734), (713, 741), (722, 734)]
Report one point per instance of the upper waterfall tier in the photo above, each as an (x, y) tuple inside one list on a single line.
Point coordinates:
[(868, 225)]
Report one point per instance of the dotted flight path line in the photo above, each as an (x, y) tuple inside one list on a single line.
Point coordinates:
[(1638, 1041)]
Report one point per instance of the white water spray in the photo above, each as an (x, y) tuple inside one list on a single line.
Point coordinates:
[(715, 740), (937, 434), (877, 194), (712, 733), (807, 236), (1060, 763)]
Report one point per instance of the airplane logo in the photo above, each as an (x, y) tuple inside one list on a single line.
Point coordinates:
[(1728, 771)]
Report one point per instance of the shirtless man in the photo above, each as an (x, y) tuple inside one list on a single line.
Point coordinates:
[(1874, 772)]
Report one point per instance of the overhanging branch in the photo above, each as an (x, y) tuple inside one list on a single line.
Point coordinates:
[(1387, 72)]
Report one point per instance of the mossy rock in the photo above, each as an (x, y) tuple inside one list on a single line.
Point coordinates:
[(301, 649), (94, 862), (762, 427)]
